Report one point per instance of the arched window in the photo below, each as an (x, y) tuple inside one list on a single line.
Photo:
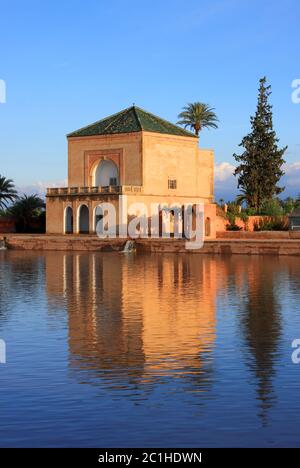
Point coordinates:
[(106, 174), (83, 219), (68, 220)]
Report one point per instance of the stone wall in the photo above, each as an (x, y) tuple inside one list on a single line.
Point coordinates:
[(7, 225), (67, 243), (221, 222)]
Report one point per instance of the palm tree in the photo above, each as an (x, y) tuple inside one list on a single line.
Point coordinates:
[(7, 191), (198, 115), (25, 209)]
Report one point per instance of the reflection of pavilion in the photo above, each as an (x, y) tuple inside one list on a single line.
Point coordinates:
[(131, 319)]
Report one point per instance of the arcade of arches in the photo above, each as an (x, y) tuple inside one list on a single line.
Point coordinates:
[(169, 221)]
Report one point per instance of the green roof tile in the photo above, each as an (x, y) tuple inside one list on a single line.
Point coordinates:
[(131, 120)]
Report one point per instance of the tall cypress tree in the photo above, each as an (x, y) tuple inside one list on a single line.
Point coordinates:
[(260, 165)]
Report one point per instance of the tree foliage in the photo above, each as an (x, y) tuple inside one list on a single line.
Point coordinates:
[(197, 116), (260, 165), (7, 192), (26, 209)]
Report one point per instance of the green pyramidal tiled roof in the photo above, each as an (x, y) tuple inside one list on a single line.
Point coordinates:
[(131, 120)]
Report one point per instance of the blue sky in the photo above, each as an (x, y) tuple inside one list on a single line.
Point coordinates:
[(69, 63)]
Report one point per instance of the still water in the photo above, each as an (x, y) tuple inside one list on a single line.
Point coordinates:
[(114, 350)]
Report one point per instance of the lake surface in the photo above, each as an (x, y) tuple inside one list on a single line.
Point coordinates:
[(115, 350)]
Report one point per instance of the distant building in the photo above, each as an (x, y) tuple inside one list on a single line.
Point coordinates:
[(294, 220), (131, 153)]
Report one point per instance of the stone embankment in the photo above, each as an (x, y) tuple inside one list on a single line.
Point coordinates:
[(244, 243)]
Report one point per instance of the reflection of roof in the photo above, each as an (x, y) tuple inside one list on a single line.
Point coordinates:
[(295, 213), (131, 120)]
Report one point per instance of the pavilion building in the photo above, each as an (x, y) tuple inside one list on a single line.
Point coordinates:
[(131, 153)]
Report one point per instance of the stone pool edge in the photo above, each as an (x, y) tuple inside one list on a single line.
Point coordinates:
[(44, 242)]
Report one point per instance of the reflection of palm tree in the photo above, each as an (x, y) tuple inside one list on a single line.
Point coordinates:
[(262, 326)]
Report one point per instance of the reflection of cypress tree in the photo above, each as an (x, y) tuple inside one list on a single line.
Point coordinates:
[(200, 377), (262, 327)]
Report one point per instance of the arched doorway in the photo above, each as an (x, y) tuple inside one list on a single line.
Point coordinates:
[(207, 227), (106, 174), (68, 220), (83, 219), (172, 222)]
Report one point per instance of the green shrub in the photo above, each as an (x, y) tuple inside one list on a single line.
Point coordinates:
[(233, 227), (271, 208), (231, 217), (244, 216)]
